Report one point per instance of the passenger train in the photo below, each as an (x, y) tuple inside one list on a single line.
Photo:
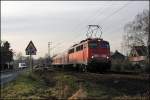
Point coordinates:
[(91, 54)]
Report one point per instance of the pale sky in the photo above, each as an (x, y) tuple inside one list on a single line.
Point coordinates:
[(64, 22)]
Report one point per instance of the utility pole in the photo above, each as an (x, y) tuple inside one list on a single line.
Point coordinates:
[(49, 45), (49, 55)]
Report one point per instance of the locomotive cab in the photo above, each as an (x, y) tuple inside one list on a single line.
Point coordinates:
[(99, 54)]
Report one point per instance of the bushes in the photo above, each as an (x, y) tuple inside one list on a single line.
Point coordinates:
[(116, 65), (126, 65)]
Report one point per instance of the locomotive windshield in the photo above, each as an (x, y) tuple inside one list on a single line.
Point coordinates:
[(104, 45), (92, 45), (99, 45)]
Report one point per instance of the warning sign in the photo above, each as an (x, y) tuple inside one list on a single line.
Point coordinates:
[(31, 50)]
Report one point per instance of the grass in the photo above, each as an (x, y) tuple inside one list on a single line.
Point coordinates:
[(40, 85), (62, 85), (65, 86), (27, 85)]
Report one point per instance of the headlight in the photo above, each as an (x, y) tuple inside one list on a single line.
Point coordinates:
[(92, 57), (107, 57)]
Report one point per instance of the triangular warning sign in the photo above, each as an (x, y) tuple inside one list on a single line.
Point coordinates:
[(31, 50)]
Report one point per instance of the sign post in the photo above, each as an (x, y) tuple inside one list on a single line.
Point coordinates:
[(31, 50), (31, 63)]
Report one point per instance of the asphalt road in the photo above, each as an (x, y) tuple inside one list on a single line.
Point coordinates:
[(10, 75)]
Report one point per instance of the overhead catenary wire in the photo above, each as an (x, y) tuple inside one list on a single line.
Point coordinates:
[(98, 11), (101, 14), (107, 17), (76, 28), (114, 29), (116, 11)]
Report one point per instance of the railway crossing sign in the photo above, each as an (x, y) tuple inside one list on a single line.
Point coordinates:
[(31, 50)]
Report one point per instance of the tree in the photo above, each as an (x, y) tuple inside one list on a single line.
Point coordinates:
[(137, 30), (6, 54)]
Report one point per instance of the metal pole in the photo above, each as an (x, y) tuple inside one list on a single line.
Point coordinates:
[(31, 62), (49, 44), (49, 49)]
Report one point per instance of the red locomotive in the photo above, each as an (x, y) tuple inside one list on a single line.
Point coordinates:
[(92, 54)]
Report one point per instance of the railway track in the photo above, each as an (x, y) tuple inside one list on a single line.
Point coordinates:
[(106, 75), (112, 76)]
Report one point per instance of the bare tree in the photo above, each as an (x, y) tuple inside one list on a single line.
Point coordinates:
[(137, 31)]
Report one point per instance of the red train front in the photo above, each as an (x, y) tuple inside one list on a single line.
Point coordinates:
[(99, 55)]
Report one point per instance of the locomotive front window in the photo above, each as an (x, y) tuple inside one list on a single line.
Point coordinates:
[(104, 45), (92, 45)]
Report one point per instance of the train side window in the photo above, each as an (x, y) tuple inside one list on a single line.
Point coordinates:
[(71, 51), (84, 46), (78, 48), (81, 47)]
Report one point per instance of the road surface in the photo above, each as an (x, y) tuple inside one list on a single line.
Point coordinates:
[(9, 76)]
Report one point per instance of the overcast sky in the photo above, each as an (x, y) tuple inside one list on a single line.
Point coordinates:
[(64, 23)]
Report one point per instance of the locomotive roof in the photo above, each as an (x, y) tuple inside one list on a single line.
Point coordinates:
[(88, 39)]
